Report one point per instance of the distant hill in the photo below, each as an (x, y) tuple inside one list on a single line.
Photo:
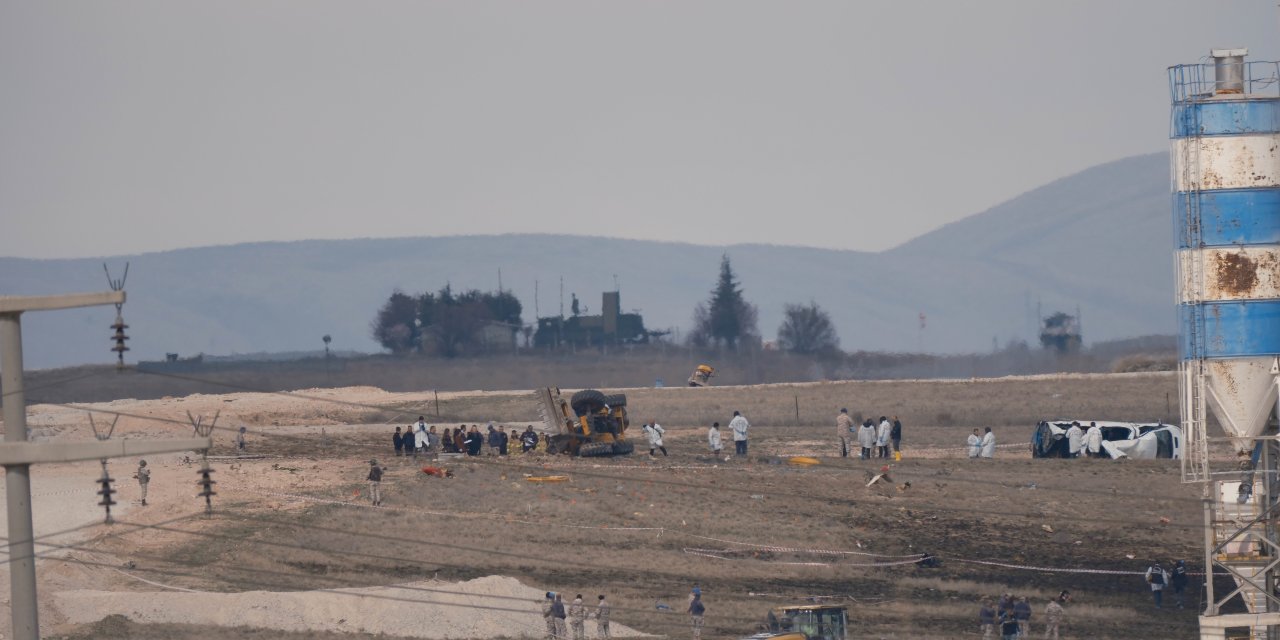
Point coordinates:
[(1099, 240)]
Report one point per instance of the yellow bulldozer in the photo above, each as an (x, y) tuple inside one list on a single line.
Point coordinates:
[(590, 423), (806, 622)]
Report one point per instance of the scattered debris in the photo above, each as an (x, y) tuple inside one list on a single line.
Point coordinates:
[(439, 472), (1047, 528)]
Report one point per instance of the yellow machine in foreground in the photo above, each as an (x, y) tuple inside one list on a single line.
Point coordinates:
[(590, 423), (806, 622)]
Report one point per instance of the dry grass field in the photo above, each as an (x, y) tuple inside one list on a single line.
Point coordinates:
[(752, 532)]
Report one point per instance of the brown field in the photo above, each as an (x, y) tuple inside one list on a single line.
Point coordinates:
[(752, 532)]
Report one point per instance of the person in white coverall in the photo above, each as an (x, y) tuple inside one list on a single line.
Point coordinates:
[(713, 439), (882, 438), (739, 426), (1093, 440), (655, 431), (1075, 440), (975, 444), (867, 439), (988, 444)]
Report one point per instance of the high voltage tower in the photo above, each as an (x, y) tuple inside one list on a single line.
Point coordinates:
[(17, 454)]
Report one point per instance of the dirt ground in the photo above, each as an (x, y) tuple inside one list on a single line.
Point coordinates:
[(752, 532)]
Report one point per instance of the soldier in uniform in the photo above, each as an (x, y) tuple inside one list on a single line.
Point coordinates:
[(578, 618), (844, 426), (144, 478), (602, 618)]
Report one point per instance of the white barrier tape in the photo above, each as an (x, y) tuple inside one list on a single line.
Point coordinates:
[(153, 583), (1025, 567), (718, 554), (779, 549)]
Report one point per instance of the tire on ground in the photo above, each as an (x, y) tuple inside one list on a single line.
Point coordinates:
[(587, 401), (595, 449), (616, 400), (623, 448)]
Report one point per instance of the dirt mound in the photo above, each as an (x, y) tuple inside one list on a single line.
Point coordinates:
[(493, 606)]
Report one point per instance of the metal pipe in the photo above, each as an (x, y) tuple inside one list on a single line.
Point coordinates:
[(17, 478), (1211, 605)]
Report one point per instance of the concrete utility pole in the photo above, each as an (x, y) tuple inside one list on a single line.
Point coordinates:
[(17, 455)]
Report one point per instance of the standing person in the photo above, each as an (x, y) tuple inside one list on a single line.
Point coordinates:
[(375, 483), (713, 439), (493, 440), (987, 619), (558, 613), (1022, 611), (420, 438), (1075, 440), (475, 441), (143, 475), (975, 444), (696, 611), (844, 429), (895, 436), (459, 439), (398, 441), (578, 618), (528, 440), (1093, 440), (240, 441), (548, 615), (1157, 577), (882, 438), (433, 442), (602, 618), (654, 431), (411, 443), (1008, 626), (988, 444), (739, 426), (1053, 615), (866, 439), (1179, 581), (503, 442)]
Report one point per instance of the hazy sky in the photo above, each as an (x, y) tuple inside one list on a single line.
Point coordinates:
[(139, 126)]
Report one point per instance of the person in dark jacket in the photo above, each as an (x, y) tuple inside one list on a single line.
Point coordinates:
[(398, 441), (895, 434), (503, 441), (1178, 580), (558, 615), (1022, 611), (1008, 626), (494, 441), (528, 440), (459, 440), (474, 441), (987, 619)]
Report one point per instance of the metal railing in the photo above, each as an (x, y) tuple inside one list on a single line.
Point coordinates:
[(1190, 82)]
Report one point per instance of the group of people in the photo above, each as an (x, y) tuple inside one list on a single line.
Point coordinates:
[(561, 620), (421, 439), (1158, 579), (1012, 617), (982, 446), (738, 427), (1086, 441), (874, 439)]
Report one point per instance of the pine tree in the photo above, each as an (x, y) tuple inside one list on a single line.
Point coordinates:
[(728, 317)]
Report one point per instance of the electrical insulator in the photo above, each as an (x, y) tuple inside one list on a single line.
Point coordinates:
[(207, 492), (106, 491), (119, 337)]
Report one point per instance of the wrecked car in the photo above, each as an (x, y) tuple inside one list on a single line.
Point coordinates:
[(1119, 439)]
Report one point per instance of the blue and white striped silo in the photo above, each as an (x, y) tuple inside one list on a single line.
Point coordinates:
[(1226, 209)]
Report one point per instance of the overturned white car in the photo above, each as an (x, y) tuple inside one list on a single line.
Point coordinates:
[(1119, 439)]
